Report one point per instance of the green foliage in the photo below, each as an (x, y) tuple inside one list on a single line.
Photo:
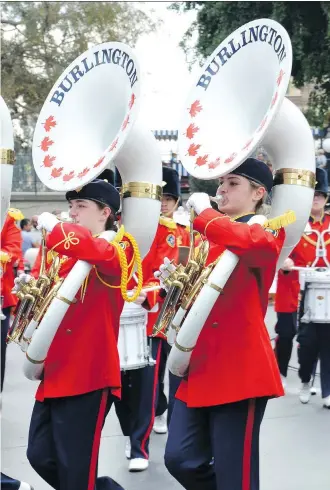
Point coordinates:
[(40, 39), (307, 24)]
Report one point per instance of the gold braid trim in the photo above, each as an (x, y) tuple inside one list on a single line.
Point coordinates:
[(69, 239), (312, 242), (280, 221), (125, 266)]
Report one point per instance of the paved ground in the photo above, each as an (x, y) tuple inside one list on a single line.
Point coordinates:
[(295, 440)]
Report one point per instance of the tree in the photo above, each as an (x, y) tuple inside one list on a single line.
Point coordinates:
[(308, 24), (40, 39)]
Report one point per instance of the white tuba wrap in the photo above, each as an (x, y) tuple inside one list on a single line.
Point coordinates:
[(237, 104), (88, 121)]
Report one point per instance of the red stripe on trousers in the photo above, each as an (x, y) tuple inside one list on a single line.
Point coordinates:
[(97, 440), (156, 371), (246, 482)]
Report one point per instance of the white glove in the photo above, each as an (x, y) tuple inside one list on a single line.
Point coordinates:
[(287, 264), (141, 298), (21, 281), (47, 221), (164, 271), (199, 201)]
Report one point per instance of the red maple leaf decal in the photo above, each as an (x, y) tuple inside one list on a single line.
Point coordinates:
[(46, 143), (263, 122), (201, 161), (57, 172), (274, 99), (193, 150), (280, 77), (231, 158), (98, 163), (48, 161), (49, 123), (248, 144), (131, 102), (215, 163), (195, 108), (191, 130), (114, 145), (68, 177), (83, 173), (126, 121)]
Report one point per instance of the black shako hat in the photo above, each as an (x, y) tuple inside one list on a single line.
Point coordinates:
[(256, 171), (322, 184), (172, 186), (99, 190)]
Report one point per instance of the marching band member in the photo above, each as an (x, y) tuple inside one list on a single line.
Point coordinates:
[(143, 389), (313, 338), (11, 251), (286, 305), (233, 372), (81, 377)]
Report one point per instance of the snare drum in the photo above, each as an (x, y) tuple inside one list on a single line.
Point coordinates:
[(317, 297), (132, 341)]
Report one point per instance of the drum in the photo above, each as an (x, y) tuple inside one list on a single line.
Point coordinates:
[(317, 297), (132, 342)]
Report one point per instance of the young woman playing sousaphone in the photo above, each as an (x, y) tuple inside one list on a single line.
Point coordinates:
[(233, 371)]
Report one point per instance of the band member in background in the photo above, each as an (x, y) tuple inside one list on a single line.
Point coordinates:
[(221, 402), (313, 338), (81, 377), (143, 389), (11, 252), (286, 305)]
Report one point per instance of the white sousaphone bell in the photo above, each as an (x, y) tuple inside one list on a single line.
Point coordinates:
[(88, 120), (237, 103), (7, 157)]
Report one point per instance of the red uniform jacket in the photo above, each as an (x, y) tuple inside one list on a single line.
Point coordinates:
[(11, 251), (83, 356), (233, 359), (287, 292), (303, 255), (169, 237)]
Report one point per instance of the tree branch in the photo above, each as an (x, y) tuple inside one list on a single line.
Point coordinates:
[(10, 22)]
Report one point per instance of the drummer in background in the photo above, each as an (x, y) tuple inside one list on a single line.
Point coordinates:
[(313, 338), (144, 402), (220, 404), (11, 252), (286, 306), (81, 376)]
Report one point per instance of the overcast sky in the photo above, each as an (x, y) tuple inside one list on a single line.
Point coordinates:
[(166, 79)]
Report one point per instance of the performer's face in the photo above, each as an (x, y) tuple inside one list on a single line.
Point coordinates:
[(238, 196), (319, 202), (168, 205), (88, 214)]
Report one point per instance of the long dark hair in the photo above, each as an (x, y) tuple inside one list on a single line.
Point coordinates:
[(110, 223)]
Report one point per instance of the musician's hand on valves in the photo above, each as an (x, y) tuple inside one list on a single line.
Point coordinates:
[(47, 221), (141, 298), (165, 270), (21, 281), (199, 201), (288, 264)]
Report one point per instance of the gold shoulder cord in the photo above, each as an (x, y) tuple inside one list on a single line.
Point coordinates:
[(125, 266)]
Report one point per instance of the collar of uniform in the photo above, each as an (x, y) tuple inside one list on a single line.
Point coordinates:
[(243, 218), (168, 222), (313, 220)]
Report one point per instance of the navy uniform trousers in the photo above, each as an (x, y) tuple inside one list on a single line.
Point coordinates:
[(314, 343), (229, 433), (286, 330), (140, 393), (4, 331), (64, 440), (8, 483)]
